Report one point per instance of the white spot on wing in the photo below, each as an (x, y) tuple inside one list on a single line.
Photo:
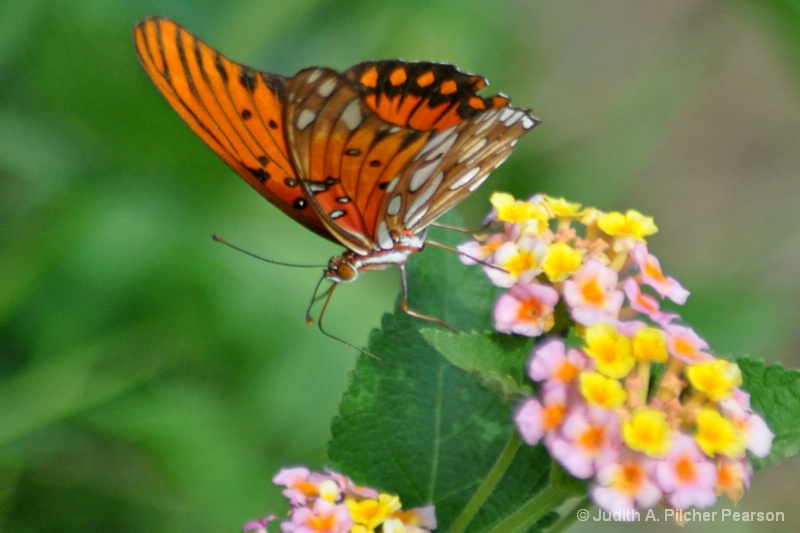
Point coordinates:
[(421, 175), (486, 125), (392, 184), (513, 118), (394, 205), (438, 144), (384, 237), (305, 118), (326, 87), (505, 113), (528, 122), (466, 178), (475, 148), (410, 222), (314, 76), (502, 160), (352, 115), (421, 201), (477, 183)]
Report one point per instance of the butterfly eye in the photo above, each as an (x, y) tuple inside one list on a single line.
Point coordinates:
[(346, 272)]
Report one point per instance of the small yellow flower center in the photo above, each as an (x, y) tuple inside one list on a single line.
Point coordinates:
[(520, 263)]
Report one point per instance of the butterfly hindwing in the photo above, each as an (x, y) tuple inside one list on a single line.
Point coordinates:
[(451, 165), (236, 110)]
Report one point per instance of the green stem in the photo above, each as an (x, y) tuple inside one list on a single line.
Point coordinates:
[(545, 501), (568, 517), (489, 483), (530, 512)]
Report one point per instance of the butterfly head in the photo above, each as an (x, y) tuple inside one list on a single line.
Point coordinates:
[(342, 268)]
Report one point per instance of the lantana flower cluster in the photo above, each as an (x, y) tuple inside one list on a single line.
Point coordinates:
[(329, 502), (630, 399)]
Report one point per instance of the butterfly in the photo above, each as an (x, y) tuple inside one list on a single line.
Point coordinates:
[(368, 158)]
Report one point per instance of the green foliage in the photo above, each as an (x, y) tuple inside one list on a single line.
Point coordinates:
[(428, 419), (497, 360), (775, 393), (152, 381), (414, 424)]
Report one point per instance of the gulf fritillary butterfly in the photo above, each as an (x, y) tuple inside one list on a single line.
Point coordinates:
[(368, 158)]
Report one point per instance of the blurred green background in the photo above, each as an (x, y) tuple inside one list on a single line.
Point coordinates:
[(151, 380)]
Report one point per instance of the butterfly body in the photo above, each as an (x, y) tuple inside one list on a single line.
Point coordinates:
[(368, 158)]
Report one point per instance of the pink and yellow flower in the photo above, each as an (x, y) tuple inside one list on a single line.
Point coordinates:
[(527, 309), (329, 502), (632, 398), (632, 224), (587, 441), (556, 364), (610, 349), (535, 418), (684, 344), (686, 476), (592, 293), (323, 517), (651, 275), (626, 484)]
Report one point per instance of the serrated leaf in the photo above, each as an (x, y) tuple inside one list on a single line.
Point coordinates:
[(497, 360), (775, 394), (413, 424)]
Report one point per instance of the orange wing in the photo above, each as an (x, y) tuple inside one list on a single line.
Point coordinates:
[(368, 172), (236, 110), (421, 95)]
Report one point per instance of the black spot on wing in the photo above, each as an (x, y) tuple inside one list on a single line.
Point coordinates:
[(221, 68), (248, 79), (260, 174)]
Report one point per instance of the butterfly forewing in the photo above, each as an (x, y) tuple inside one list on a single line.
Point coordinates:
[(346, 153), (236, 110), (421, 95)]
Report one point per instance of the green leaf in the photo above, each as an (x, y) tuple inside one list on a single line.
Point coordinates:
[(497, 360), (413, 424), (775, 393)]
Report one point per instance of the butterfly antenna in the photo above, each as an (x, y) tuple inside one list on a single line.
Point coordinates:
[(459, 252), (260, 258)]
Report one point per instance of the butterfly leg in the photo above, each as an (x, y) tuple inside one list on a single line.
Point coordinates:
[(459, 252), (459, 229), (411, 312), (327, 295)]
